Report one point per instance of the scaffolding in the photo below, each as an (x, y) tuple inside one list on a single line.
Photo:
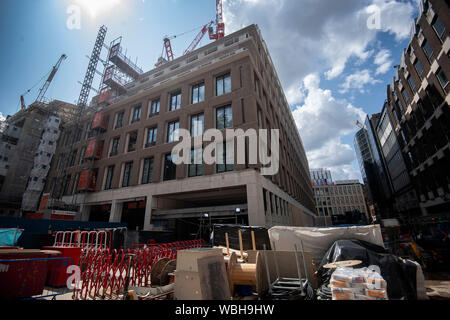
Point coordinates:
[(119, 71)]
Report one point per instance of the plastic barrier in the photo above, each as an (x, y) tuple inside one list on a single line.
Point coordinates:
[(106, 273)]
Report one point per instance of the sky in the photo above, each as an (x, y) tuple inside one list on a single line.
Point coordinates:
[(334, 58)]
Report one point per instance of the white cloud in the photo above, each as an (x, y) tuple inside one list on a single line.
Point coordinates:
[(2, 118), (383, 61), (358, 81), (320, 37), (307, 36), (323, 121), (396, 16)]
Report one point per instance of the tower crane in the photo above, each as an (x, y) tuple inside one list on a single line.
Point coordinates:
[(167, 52), (47, 83), (50, 79), (220, 25)]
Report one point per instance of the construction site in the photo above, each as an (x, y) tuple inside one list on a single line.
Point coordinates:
[(94, 207)]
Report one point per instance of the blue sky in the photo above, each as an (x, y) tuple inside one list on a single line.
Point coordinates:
[(325, 55)]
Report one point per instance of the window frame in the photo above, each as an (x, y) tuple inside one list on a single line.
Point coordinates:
[(109, 177), (197, 97), (222, 78), (129, 140), (198, 168), (441, 71), (152, 112), (127, 173), (175, 95), (112, 153), (224, 108), (196, 117), (121, 116), (174, 136), (154, 135), (147, 175), (174, 168), (444, 31), (430, 56), (134, 119)]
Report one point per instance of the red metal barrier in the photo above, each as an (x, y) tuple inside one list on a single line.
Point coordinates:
[(104, 272)]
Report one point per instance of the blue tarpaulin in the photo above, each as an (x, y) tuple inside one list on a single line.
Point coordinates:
[(9, 237)]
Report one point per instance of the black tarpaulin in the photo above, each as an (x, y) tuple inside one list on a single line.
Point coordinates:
[(399, 274)]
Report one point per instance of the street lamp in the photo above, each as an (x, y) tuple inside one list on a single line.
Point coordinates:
[(238, 210)]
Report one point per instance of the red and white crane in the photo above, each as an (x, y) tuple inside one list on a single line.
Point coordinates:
[(167, 52)]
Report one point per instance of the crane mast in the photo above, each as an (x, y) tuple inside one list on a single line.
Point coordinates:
[(47, 83)]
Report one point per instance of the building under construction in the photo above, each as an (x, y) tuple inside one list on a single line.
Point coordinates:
[(27, 145), (117, 155)]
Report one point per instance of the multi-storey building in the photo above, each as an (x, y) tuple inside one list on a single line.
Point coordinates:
[(320, 177), (418, 104), (27, 146), (340, 198), (404, 198), (120, 166)]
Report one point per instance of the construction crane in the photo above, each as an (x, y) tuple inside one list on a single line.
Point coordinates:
[(198, 38), (44, 88), (167, 52), (47, 83), (220, 25)]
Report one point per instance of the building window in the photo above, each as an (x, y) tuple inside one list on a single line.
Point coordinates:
[(172, 131), (419, 68), (73, 158), (428, 51), (243, 110), (136, 114), (175, 101), (400, 106), (109, 177), (224, 118), (196, 166), (198, 93), (154, 108), (115, 147), (257, 86), (197, 125), (132, 138), (405, 95), (152, 134), (411, 83), (439, 27), (170, 169), (225, 157), (78, 136), (260, 124), (223, 84), (83, 152), (396, 116), (403, 137), (66, 185), (443, 80), (119, 120), (127, 174), (147, 171)]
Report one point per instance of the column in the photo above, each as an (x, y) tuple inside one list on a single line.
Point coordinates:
[(255, 203), (148, 215), (116, 211), (85, 212)]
